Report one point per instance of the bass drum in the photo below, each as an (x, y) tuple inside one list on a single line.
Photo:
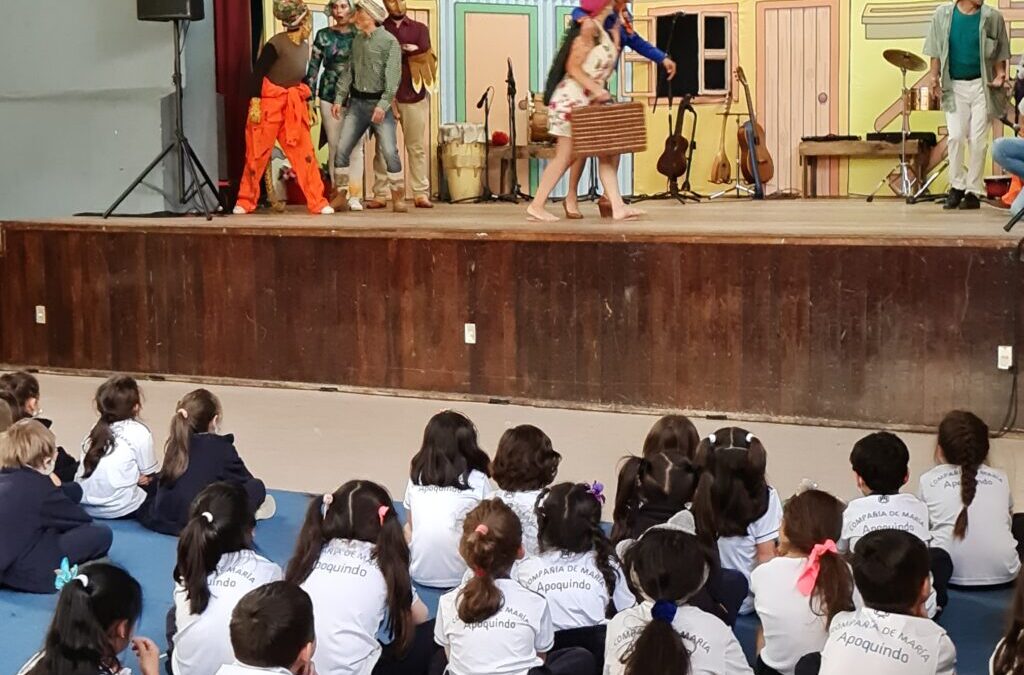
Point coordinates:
[(538, 120)]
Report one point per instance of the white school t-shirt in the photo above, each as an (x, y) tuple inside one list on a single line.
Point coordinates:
[(988, 552), (879, 643), (238, 668), (203, 641), (38, 656), (740, 553), (573, 586), (792, 626), (507, 643), (112, 490), (714, 649), (524, 505), (883, 512), (349, 604), (437, 515)]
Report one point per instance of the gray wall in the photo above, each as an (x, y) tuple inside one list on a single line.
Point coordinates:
[(84, 106)]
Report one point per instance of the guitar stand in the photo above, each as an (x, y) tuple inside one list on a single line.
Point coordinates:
[(737, 186), (686, 193)]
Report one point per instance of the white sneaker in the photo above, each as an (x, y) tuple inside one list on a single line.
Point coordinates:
[(354, 204), (239, 211), (326, 211), (267, 509)]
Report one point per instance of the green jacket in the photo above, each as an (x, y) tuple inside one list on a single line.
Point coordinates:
[(995, 47)]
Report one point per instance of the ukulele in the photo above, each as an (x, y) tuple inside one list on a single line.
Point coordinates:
[(755, 161), (672, 162), (721, 167)]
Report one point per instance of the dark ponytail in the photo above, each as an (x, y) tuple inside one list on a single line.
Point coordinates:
[(78, 640), (361, 511), (663, 482), (626, 500), (194, 414), (1009, 656), (658, 649), (117, 399), (963, 437), (733, 491), (491, 539), (219, 523)]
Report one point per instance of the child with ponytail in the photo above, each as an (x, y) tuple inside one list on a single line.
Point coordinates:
[(20, 390), (118, 462), (95, 617), (492, 625), (969, 505), (197, 455), (797, 594), (524, 464), (576, 569), (353, 561), (665, 634), (216, 567), (1008, 659), (447, 478)]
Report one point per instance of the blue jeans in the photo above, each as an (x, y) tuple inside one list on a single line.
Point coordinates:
[(1009, 154), (359, 118)]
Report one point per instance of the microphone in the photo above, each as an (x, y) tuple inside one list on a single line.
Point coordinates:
[(483, 99), (510, 79)]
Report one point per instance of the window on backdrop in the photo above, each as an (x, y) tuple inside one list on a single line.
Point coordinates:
[(699, 44)]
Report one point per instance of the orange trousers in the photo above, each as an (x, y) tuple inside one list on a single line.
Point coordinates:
[(285, 119)]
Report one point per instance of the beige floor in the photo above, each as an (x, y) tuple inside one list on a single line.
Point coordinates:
[(313, 441)]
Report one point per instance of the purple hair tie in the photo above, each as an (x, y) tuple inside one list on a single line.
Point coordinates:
[(664, 610), (596, 489)]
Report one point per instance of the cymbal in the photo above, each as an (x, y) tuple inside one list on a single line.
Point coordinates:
[(905, 60)]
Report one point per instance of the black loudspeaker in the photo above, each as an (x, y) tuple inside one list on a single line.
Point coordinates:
[(171, 10)]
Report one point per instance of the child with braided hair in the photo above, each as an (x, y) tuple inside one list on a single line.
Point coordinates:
[(970, 505)]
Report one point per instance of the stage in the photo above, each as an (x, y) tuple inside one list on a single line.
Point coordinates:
[(818, 311)]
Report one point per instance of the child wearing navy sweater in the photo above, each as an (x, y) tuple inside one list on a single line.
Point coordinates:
[(40, 518), (20, 390), (197, 456)]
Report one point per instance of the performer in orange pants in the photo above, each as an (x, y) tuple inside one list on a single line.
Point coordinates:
[(279, 111)]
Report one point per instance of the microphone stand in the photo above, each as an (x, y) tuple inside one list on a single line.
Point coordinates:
[(516, 193), (486, 196)]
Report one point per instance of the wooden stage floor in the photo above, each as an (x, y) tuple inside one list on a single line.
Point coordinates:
[(835, 221)]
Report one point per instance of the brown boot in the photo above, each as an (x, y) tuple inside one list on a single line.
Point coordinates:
[(374, 203), (339, 199), (398, 202)]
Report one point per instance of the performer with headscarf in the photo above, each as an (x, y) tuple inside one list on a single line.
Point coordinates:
[(280, 110)]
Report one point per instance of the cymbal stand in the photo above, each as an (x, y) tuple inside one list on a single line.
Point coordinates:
[(906, 182)]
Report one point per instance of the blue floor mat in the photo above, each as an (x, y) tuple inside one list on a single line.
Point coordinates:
[(974, 620)]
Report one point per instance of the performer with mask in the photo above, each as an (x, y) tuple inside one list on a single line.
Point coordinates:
[(369, 86), (412, 107), (969, 48), (332, 48), (278, 111), (631, 39)]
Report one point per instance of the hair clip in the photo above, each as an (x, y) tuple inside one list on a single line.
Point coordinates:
[(325, 504), (750, 438), (208, 516), (681, 522), (183, 413), (596, 490), (479, 572), (66, 574), (712, 439), (382, 511), (482, 529), (664, 610)]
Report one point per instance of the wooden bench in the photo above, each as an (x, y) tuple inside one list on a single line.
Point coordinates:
[(811, 151)]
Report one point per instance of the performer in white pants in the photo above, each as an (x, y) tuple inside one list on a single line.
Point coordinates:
[(969, 48)]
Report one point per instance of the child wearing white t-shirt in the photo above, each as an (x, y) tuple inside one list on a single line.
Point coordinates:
[(576, 569), (970, 505), (216, 567), (492, 625), (272, 632), (524, 464), (118, 462), (352, 559), (891, 634), (881, 463), (667, 566), (797, 593), (447, 478), (1008, 658), (735, 503)]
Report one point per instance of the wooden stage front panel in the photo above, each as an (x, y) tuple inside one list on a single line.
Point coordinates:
[(818, 325)]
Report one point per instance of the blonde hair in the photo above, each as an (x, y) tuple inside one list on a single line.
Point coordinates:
[(26, 444)]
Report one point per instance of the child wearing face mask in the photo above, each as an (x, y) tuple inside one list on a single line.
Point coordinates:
[(40, 517)]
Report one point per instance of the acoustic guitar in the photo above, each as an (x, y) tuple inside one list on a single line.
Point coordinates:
[(755, 161), (721, 167), (672, 162)]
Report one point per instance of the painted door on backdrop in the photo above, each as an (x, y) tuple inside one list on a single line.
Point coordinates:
[(798, 90)]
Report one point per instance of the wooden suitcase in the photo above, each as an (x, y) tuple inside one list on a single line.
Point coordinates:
[(608, 129)]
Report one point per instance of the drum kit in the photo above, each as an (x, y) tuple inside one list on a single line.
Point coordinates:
[(921, 98)]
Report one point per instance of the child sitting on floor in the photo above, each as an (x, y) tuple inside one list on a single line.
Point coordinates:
[(1008, 658), (524, 464), (891, 634), (195, 456), (272, 631), (40, 517), (969, 505), (95, 617), (21, 391), (216, 567), (118, 462), (447, 478)]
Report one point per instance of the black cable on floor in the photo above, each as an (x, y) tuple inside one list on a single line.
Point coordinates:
[(1010, 418)]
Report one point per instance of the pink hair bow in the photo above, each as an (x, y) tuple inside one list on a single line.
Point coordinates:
[(809, 576)]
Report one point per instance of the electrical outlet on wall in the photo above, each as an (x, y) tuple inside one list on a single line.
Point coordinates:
[(40, 314), (1004, 357), (470, 333)]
